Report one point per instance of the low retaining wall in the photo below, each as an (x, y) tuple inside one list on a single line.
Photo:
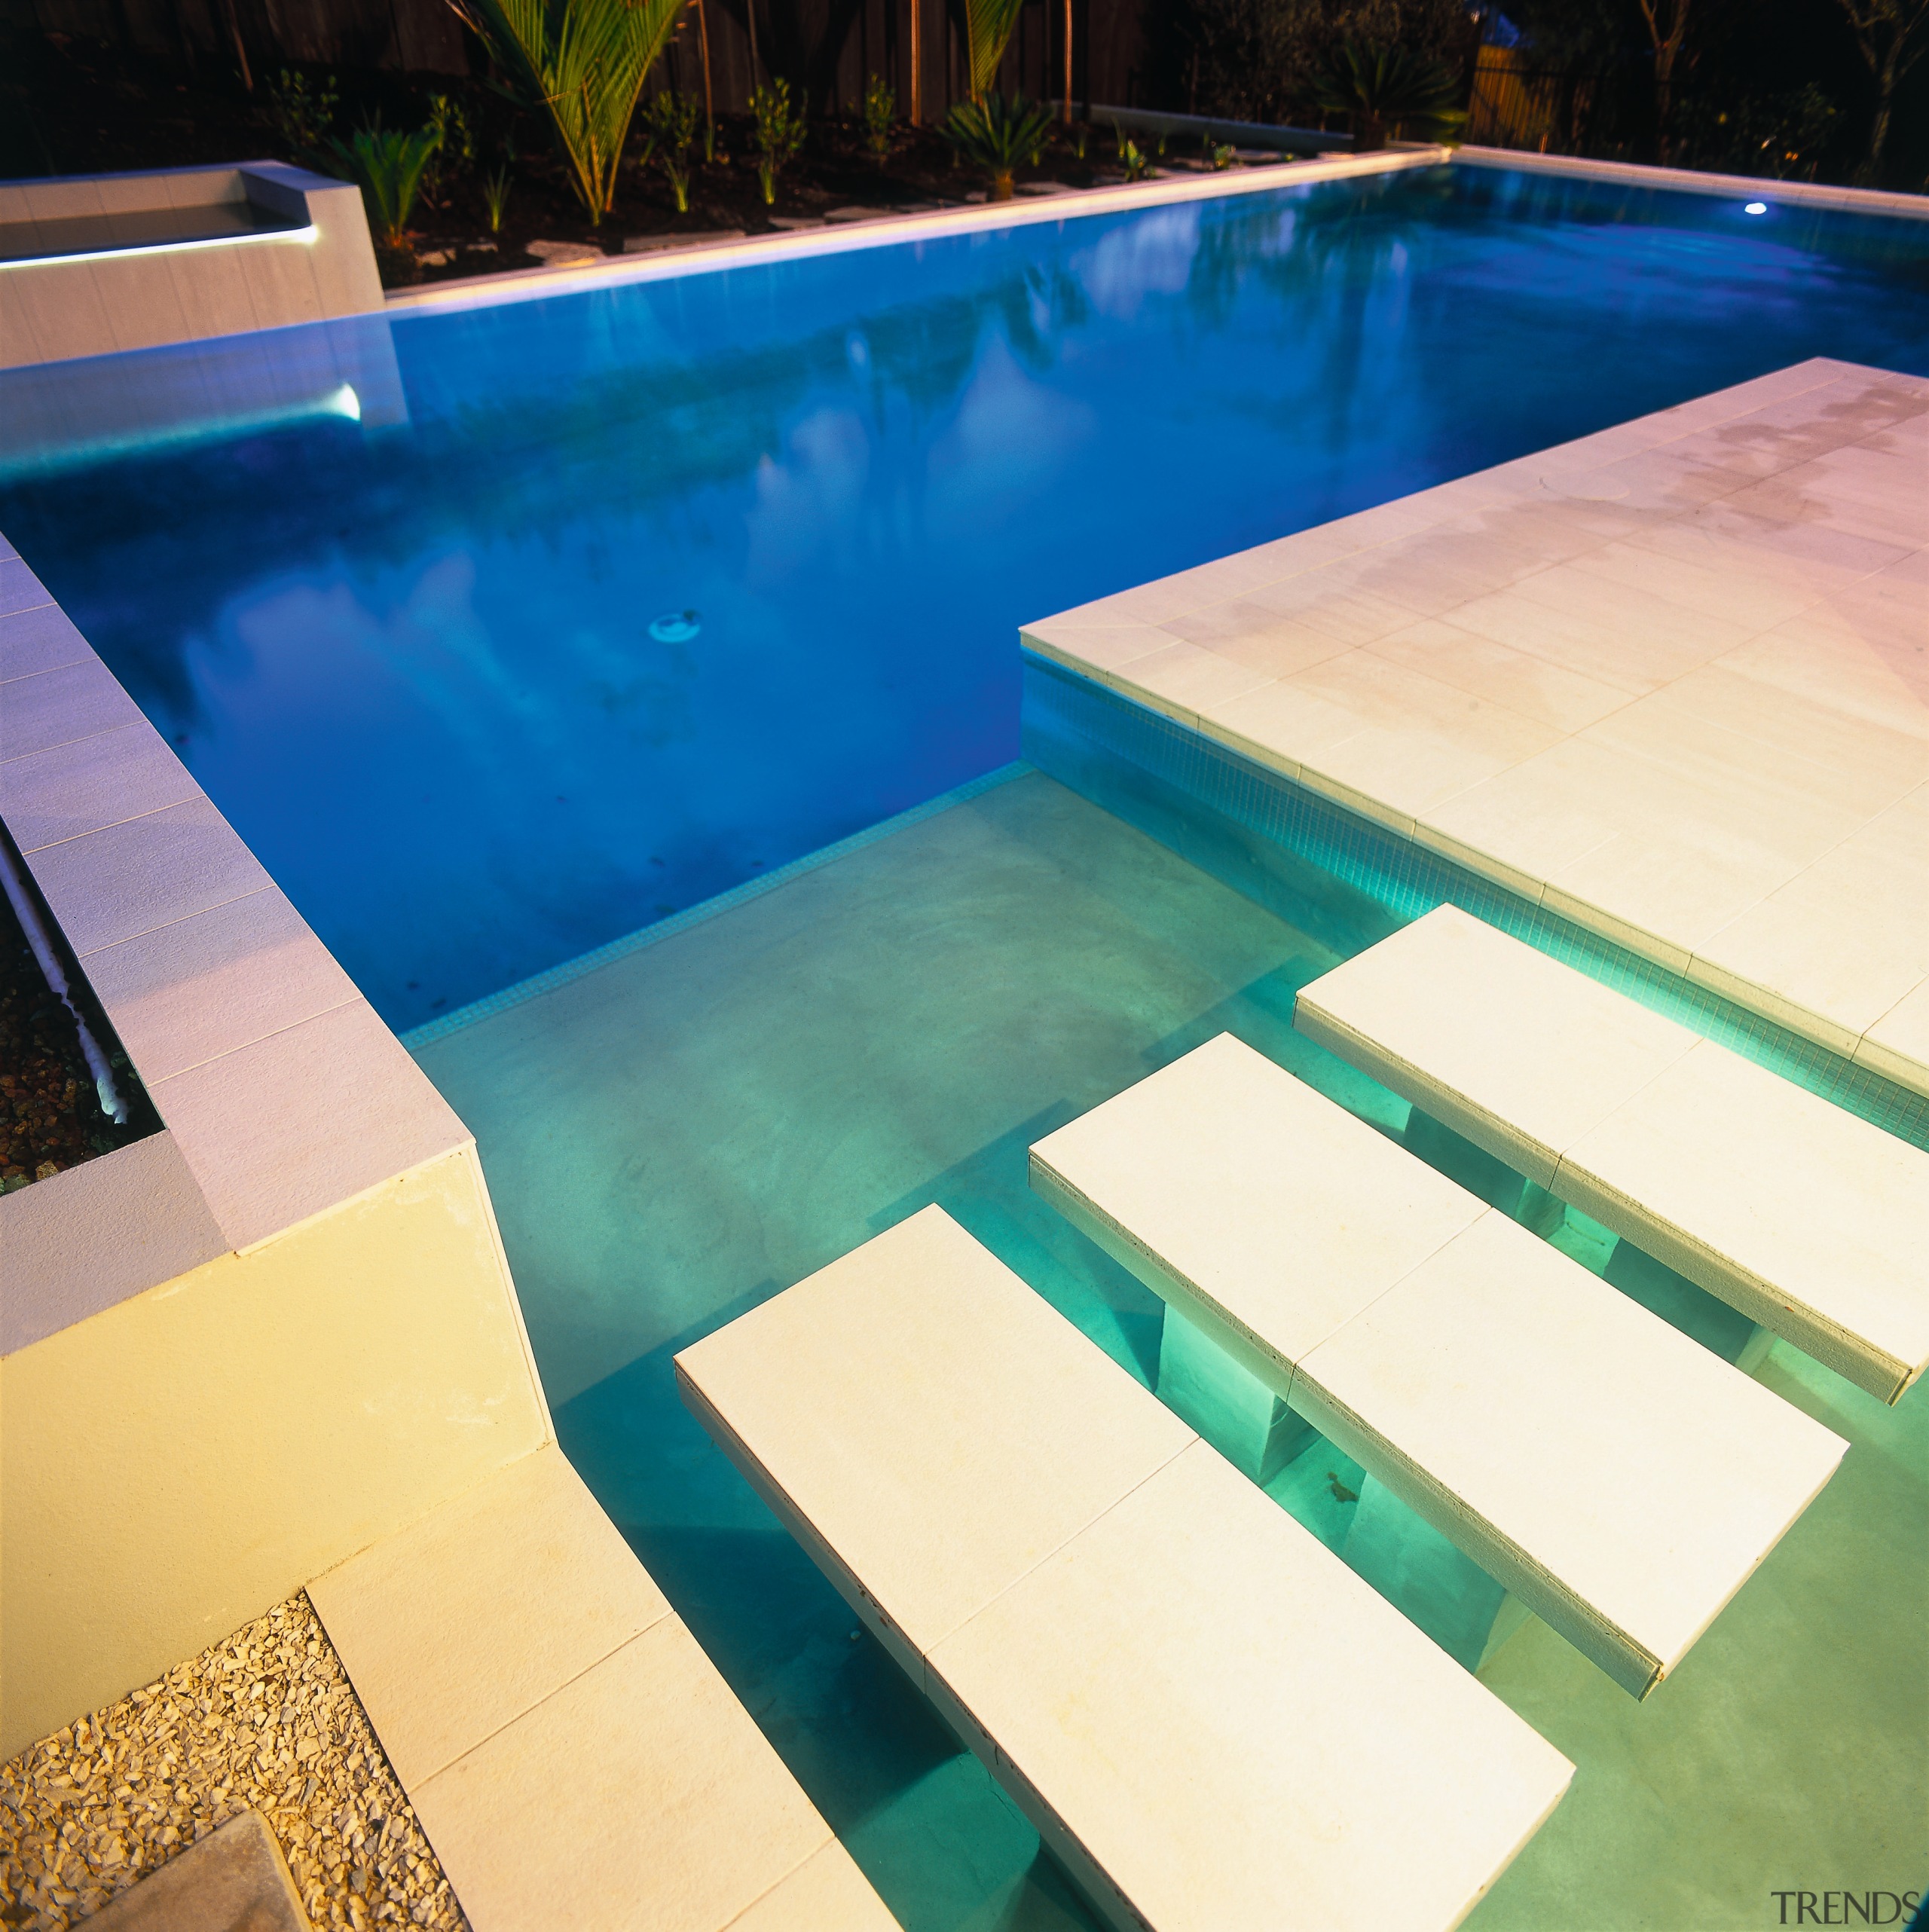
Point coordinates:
[(91, 263), (240, 1351)]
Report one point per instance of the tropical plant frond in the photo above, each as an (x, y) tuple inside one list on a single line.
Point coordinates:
[(988, 26), (1383, 87), (584, 63)]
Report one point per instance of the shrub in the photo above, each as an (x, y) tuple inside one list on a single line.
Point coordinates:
[(387, 165), (780, 133), (1379, 88), (998, 136)]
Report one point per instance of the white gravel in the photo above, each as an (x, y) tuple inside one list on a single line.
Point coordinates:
[(266, 1719)]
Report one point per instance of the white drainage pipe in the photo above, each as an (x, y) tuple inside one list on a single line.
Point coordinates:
[(28, 913)]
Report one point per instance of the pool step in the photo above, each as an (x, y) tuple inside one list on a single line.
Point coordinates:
[(1212, 1722), (1618, 1479), (1803, 1218), (575, 1759)]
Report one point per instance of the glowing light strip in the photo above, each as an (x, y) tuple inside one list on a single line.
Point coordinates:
[(341, 401), (309, 234)]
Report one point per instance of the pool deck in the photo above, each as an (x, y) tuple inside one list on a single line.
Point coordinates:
[(1670, 681)]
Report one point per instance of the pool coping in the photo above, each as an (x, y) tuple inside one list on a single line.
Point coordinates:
[(703, 257), (706, 257)]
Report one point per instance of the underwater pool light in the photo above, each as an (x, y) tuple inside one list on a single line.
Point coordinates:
[(1755, 208), (675, 627)]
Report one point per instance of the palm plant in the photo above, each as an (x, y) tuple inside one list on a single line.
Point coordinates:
[(998, 135), (584, 63), (988, 26), (1379, 87), (387, 165)]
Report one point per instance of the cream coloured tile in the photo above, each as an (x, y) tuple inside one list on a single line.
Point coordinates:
[(1101, 649), (461, 1625), (1730, 544), (1182, 676), (1650, 626), (128, 878), (36, 640), (1530, 687), (1897, 1045), (1753, 601), (1516, 1051), (1796, 804), (1803, 496), (850, 1340), (191, 991), (1480, 1377), (1797, 1212), (1661, 899), (90, 782), (1862, 766), (825, 1893), (1261, 640), (303, 1119), (1280, 723), (19, 589), (49, 707), (1331, 599), (1256, 1197), (1847, 937), (1170, 1681), (639, 1794), (1826, 662)]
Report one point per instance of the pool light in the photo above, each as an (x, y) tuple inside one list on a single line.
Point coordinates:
[(675, 627), (1755, 208)]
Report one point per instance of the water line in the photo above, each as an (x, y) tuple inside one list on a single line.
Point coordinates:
[(111, 1104)]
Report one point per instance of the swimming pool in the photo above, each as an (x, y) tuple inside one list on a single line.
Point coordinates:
[(641, 592)]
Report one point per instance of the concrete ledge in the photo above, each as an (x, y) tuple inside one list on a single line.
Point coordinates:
[(236, 1351), (176, 255), (575, 1759)]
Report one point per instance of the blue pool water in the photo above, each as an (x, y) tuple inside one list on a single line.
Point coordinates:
[(412, 658)]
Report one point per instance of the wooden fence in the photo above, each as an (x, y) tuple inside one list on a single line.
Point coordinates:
[(825, 48)]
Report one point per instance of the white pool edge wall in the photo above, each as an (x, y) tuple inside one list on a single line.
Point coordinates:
[(143, 293), (237, 1351)]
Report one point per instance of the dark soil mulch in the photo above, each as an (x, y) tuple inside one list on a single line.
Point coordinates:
[(68, 106), (51, 1116)]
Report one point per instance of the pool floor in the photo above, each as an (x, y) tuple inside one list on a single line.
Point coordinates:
[(676, 1136)]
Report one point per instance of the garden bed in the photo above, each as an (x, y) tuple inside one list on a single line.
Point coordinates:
[(51, 1115), (80, 108)]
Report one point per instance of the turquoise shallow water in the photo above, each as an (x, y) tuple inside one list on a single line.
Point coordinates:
[(676, 1136)]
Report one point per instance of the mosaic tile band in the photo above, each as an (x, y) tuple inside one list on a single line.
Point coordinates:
[(1068, 718)]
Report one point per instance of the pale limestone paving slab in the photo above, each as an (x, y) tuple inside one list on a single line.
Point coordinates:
[(923, 1570), (827, 1892), (1807, 1218), (267, 1156), (575, 1760), (1314, 1763), (38, 639), (233, 1880), (1547, 1423), (459, 1626), (1483, 1376), (638, 1793), (1686, 658), (1449, 1021), (70, 789), (1158, 1163), (193, 990), (126, 880), (54, 707)]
